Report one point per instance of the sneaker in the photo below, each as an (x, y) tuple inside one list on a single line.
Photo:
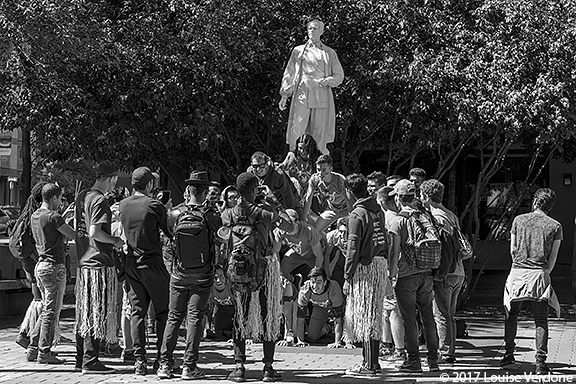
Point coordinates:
[(269, 374), (411, 366), (31, 355), (398, 355), (542, 369), (49, 358), (140, 367), (360, 370), (507, 360), (128, 356), (386, 352), (238, 375), (189, 373), (165, 371), (97, 368), (22, 340), (78, 367), (377, 368), (433, 366)]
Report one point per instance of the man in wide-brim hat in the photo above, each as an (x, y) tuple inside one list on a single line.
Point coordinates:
[(192, 276)]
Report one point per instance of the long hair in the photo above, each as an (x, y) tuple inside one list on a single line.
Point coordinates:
[(33, 202)]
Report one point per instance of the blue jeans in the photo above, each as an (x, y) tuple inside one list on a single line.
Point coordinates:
[(540, 313), (51, 279), (189, 294), (411, 292), (445, 300)]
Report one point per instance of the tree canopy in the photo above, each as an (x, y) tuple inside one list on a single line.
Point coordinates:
[(178, 84)]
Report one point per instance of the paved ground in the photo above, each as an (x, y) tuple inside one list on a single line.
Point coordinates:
[(477, 355)]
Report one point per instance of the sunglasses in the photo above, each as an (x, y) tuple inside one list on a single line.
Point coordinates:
[(259, 166)]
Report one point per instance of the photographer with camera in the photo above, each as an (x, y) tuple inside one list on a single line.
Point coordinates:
[(268, 174)]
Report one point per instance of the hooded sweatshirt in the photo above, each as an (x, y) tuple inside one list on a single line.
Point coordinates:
[(364, 242)]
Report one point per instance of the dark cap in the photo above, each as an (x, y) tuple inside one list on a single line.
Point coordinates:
[(404, 188), (200, 178), (141, 176), (106, 169)]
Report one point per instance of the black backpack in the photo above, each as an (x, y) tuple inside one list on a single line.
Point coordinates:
[(450, 249), (21, 242), (192, 239)]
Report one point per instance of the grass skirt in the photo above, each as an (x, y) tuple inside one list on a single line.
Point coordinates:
[(365, 302), (252, 325), (32, 316), (96, 303)]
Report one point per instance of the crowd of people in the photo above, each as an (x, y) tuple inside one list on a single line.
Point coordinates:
[(292, 254)]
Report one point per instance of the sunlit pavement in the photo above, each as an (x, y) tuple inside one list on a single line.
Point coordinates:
[(477, 359)]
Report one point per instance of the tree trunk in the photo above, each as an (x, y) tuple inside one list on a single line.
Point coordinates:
[(451, 203), (26, 166)]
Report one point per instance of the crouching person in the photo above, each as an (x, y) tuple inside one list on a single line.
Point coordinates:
[(326, 299)]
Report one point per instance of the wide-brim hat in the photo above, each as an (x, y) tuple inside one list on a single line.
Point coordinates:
[(200, 178)]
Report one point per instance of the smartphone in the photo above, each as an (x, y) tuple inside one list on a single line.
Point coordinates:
[(164, 196)]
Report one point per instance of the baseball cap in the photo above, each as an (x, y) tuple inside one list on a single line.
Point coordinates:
[(404, 188), (141, 176)]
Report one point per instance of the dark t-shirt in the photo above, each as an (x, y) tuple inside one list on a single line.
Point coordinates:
[(50, 243), (142, 218), (302, 242), (535, 233), (92, 208)]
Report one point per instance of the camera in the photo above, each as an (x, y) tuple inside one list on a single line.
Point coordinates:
[(164, 196)]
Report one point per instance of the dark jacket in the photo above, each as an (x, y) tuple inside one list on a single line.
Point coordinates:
[(361, 247), (281, 186)]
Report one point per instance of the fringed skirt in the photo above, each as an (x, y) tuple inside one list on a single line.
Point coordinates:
[(251, 325), (365, 302), (32, 316), (96, 303)]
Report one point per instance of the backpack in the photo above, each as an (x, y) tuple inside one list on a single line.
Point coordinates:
[(192, 241), (424, 247), (246, 265), (450, 254), (21, 243)]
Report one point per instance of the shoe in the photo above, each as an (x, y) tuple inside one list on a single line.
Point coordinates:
[(411, 366), (140, 367), (377, 368), (128, 356), (165, 371), (31, 355), (189, 373), (398, 355), (386, 352), (49, 358), (507, 360), (97, 368), (433, 366), (449, 359), (360, 370), (22, 340), (269, 374), (238, 375), (542, 369), (156, 365), (110, 350)]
